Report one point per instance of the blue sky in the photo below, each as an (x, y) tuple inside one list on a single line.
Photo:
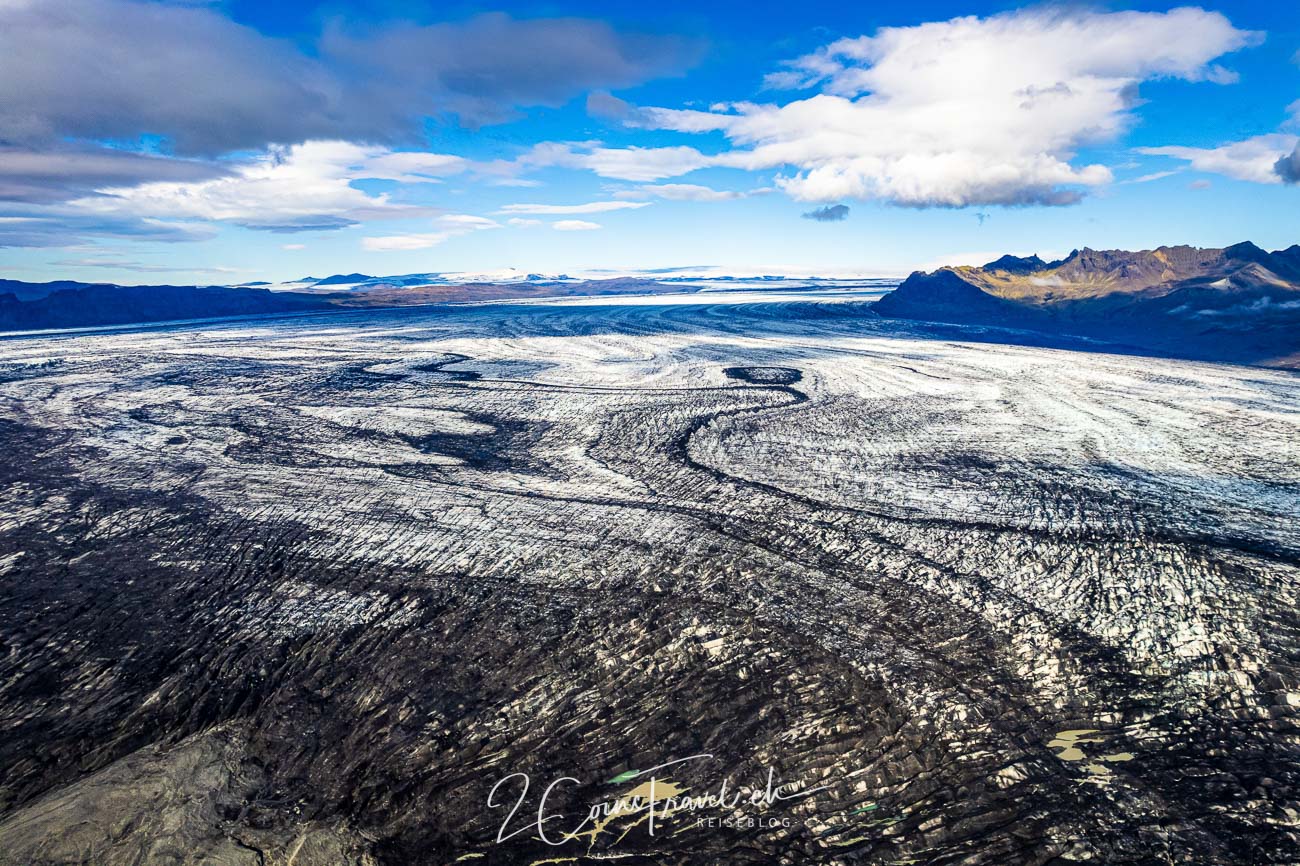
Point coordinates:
[(237, 141)]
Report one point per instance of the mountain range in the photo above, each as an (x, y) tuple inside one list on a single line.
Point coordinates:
[(68, 304), (1238, 304), (71, 304)]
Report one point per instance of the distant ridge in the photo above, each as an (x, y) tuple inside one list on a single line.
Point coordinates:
[(344, 279), (1014, 265), (82, 305), (32, 291), (70, 304), (1240, 303)]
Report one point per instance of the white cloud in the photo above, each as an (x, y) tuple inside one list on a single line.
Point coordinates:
[(1027, 50), (1153, 176), (522, 223), (1254, 159), (589, 207), (1271, 158), (636, 164), (964, 112), (138, 267), (293, 246), (642, 163), (574, 226), (686, 192), (449, 226), (307, 186), (397, 243), (461, 220), (100, 190), (412, 167), (515, 182), (687, 120)]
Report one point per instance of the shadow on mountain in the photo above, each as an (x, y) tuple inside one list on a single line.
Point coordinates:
[(1240, 304)]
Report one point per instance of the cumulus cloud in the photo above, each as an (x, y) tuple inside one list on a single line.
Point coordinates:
[(972, 111), (574, 226), (1256, 159), (1288, 167), (106, 191), (828, 214), (299, 188), (117, 69), (1032, 51), (589, 207)]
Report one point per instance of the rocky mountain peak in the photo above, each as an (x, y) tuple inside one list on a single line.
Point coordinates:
[(1237, 303)]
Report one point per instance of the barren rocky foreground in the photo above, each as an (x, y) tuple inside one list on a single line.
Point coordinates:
[(303, 591)]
